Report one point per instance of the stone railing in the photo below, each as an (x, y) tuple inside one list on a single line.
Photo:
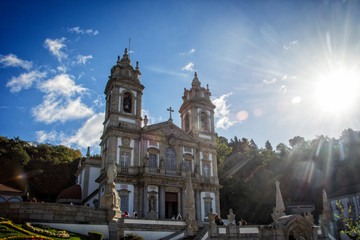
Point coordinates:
[(52, 212), (233, 231)]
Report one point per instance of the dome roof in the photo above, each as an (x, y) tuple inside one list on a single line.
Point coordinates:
[(73, 192)]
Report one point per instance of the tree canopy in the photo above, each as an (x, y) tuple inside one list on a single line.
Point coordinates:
[(44, 170), (248, 173)]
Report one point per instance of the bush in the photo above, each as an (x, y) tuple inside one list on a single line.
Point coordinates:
[(95, 236), (132, 236)]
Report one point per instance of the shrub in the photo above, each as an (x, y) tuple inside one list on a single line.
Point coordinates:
[(132, 236), (95, 236)]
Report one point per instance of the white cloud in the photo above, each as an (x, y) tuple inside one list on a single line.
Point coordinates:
[(296, 100), (290, 44), (12, 60), (42, 136), (222, 111), (283, 89), (62, 69), (61, 85), (55, 47), (151, 120), (89, 134), (58, 104), (191, 51), (84, 31), (189, 67), (224, 123), (83, 59), (24, 81), (60, 109), (99, 101), (269, 81)]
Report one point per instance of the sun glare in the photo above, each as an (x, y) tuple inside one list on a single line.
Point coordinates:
[(337, 92)]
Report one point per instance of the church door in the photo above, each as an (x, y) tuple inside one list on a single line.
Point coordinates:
[(171, 205)]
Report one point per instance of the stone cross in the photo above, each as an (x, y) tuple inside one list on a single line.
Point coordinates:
[(170, 110)]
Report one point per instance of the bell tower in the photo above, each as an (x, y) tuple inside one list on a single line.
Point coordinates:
[(123, 95), (197, 111)]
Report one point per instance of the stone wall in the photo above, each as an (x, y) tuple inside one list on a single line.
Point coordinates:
[(52, 212)]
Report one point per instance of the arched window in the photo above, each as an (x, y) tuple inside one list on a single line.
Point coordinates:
[(187, 123), (170, 159), (127, 103), (204, 124)]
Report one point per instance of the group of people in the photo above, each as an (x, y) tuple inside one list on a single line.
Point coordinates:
[(27, 198), (178, 217), (218, 220), (135, 214)]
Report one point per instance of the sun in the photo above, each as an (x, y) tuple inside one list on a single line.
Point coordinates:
[(337, 91)]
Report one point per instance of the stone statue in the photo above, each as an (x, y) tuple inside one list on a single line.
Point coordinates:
[(111, 173), (231, 217), (152, 204), (162, 165)]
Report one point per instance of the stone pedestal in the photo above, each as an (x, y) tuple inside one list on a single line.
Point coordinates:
[(231, 229), (189, 230), (152, 214), (113, 230), (111, 201)]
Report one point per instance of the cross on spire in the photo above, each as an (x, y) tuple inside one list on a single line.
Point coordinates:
[(170, 110)]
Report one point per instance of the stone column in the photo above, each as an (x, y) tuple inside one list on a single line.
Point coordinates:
[(145, 202), (217, 201), (162, 202), (182, 201), (197, 205), (141, 200)]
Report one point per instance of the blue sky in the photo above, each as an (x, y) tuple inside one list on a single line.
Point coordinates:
[(276, 69)]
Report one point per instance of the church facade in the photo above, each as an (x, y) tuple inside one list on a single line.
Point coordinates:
[(152, 160)]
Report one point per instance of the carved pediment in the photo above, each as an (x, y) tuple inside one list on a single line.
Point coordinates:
[(170, 132)]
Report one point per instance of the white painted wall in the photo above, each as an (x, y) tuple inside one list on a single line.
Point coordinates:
[(94, 173)]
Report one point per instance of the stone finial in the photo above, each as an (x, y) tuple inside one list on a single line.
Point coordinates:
[(137, 65), (280, 207), (196, 83), (118, 61), (88, 152), (189, 191), (326, 213), (279, 210), (126, 51), (145, 120)]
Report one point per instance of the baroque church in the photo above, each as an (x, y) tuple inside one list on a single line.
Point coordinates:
[(152, 160)]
